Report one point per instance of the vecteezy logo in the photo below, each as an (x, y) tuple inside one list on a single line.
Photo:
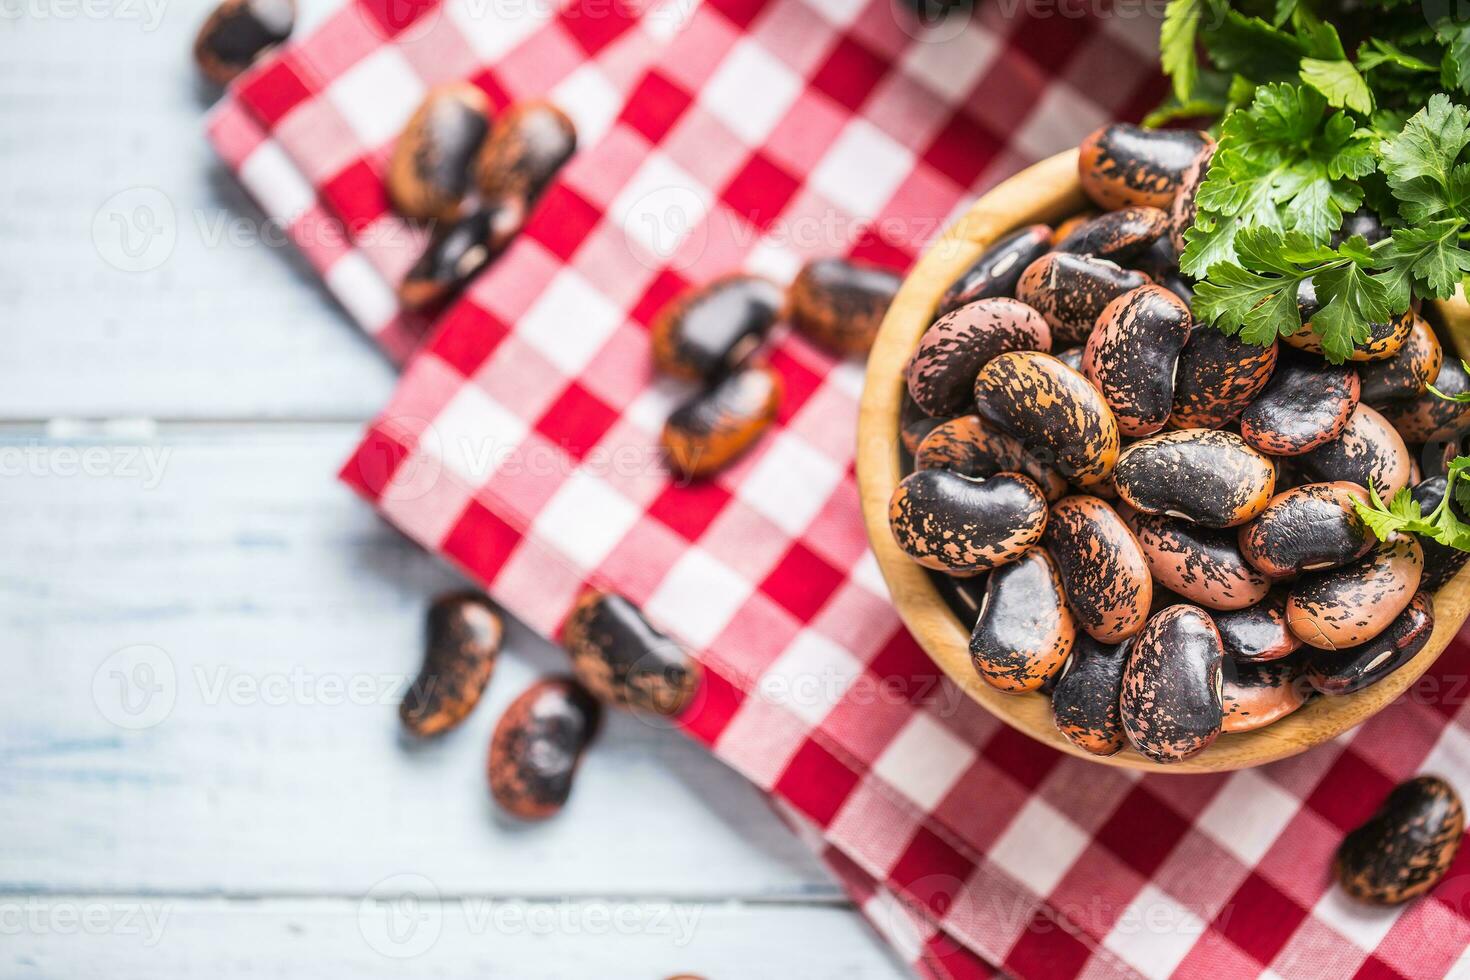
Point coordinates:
[(931, 21), (135, 230), (401, 916), (667, 226), (1435, 11), (136, 687), (401, 21)]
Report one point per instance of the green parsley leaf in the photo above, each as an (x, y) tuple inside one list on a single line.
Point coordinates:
[(1376, 53), (1455, 35), (1285, 163), (1428, 257), (1177, 37), (1339, 82)]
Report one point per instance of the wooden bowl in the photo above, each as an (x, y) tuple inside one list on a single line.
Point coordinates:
[(1046, 193)]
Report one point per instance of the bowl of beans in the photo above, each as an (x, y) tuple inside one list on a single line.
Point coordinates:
[(1130, 535)]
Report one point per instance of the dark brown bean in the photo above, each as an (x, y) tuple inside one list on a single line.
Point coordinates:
[(527, 147), (624, 661), (1103, 569), (1171, 698), (1369, 453), (963, 594), (1257, 633), (458, 251), (1182, 208), (239, 31), (1025, 630), (1200, 564), (1351, 605), (1441, 562), (1202, 475), (941, 373), (1123, 164), (710, 430), (537, 746), (1305, 404), (1070, 291), (1429, 418), (1132, 355), (1117, 236), (1307, 529), (464, 633), (973, 447), (1046, 404), (429, 171), (1084, 703), (1407, 846), (1257, 694), (1218, 376), (914, 425), (840, 304), (1072, 357), (998, 268), (1384, 339), (1346, 671), (709, 330), (1408, 373), (963, 525)]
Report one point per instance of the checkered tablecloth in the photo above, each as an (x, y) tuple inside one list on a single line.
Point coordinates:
[(521, 447)]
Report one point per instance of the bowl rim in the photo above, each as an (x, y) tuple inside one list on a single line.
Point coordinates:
[(1044, 193)]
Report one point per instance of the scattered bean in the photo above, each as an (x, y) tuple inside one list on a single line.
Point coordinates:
[(537, 746), (458, 251), (624, 661), (1406, 847), (709, 330), (527, 147), (711, 429), (464, 633), (429, 171), (840, 304), (239, 31)]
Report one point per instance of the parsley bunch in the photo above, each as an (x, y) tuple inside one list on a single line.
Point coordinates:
[(1320, 110)]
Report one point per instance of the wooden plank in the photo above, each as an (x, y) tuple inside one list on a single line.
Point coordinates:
[(101, 123), (471, 937), (284, 619)]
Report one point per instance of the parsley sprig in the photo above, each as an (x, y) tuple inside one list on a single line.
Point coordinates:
[(1403, 514), (1309, 133)]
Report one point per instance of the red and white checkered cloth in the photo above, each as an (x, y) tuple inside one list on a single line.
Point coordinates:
[(521, 446)]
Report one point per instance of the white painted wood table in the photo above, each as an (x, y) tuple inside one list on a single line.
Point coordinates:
[(203, 636)]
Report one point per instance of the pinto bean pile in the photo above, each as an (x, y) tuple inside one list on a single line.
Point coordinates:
[(1147, 519)]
